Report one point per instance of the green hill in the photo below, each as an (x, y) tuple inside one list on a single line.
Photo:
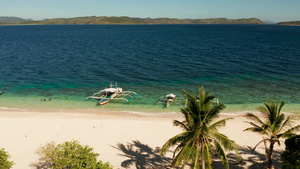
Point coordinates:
[(128, 20), (295, 23)]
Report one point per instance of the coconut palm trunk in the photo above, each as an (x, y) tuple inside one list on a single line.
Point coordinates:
[(270, 156)]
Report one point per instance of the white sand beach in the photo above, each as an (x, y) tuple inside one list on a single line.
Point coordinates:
[(23, 132)]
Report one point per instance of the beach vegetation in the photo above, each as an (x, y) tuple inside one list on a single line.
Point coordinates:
[(4, 160), (273, 125), (200, 139), (70, 154), (291, 156)]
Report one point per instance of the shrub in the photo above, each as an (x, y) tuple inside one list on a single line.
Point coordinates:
[(291, 156), (4, 163), (69, 155)]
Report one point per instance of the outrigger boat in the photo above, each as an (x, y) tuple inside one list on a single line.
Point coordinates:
[(113, 92), (169, 99)]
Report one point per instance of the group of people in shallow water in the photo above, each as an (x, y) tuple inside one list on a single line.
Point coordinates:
[(45, 99), (1, 92)]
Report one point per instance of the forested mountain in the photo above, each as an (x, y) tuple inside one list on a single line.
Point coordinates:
[(129, 20)]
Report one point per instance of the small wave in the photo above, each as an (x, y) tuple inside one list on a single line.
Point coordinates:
[(152, 113), (239, 113), (7, 108)]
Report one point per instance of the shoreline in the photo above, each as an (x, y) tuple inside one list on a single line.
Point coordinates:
[(139, 105), (25, 131), (148, 110)]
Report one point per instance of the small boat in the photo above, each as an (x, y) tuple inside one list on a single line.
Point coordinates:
[(112, 92), (169, 99), (1, 93)]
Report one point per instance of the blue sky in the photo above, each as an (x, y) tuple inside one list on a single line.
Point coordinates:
[(274, 10)]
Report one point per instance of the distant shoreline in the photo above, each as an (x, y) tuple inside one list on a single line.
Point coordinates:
[(291, 23), (134, 24), (104, 20), (112, 20), (137, 24)]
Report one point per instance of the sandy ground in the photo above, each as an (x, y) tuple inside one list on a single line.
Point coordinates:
[(23, 132)]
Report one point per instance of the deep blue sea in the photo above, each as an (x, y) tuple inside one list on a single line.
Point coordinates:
[(243, 65)]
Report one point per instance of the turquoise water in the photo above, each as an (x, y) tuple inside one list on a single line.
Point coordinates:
[(34, 103), (243, 65)]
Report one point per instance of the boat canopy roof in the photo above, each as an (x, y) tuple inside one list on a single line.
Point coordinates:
[(112, 90), (171, 95)]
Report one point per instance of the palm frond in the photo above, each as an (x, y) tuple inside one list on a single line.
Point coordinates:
[(184, 154), (172, 142), (253, 117), (223, 140), (178, 149), (213, 112), (219, 123), (196, 158), (182, 125), (290, 132), (222, 155), (262, 110), (279, 121), (206, 156), (259, 143), (281, 105), (256, 128), (208, 98), (286, 123), (186, 114)]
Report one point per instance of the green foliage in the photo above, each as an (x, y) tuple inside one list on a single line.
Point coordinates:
[(291, 156), (69, 155), (4, 162), (275, 127), (128, 20), (200, 138)]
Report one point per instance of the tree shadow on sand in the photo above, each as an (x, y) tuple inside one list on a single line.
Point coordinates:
[(251, 160), (142, 156)]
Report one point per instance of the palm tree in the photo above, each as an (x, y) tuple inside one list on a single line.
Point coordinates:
[(275, 127), (200, 137)]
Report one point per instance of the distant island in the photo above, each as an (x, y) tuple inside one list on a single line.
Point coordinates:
[(292, 23), (12, 19), (104, 20)]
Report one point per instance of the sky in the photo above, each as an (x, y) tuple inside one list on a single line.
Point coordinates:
[(266, 10)]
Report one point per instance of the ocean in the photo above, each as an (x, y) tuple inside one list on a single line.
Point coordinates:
[(242, 65)]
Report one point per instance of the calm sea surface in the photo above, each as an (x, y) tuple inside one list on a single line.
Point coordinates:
[(243, 65)]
